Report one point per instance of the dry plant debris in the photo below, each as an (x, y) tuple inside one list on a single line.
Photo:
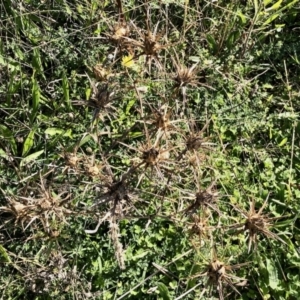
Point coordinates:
[(256, 223), (219, 276), (48, 209), (146, 168)]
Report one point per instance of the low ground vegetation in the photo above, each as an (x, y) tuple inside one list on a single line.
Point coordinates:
[(149, 149)]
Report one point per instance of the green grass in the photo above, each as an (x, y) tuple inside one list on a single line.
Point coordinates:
[(149, 149)]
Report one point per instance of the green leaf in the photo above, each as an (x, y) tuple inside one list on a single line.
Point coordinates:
[(68, 133), (88, 93), (35, 98), (273, 274), (7, 135), (270, 19), (129, 105), (66, 91), (31, 157), (53, 131), (266, 2), (275, 6), (277, 14), (8, 63), (37, 62), (232, 38), (255, 6), (212, 43), (68, 9), (85, 140), (3, 154), (28, 143), (283, 142), (4, 254), (57, 131), (163, 291), (242, 17), (139, 255)]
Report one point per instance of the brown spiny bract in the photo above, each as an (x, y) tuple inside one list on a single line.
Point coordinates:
[(150, 156)]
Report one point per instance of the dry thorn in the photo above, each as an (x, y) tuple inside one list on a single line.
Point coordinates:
[(100, 101), (93, 169), (219, 275), (149, 44), (101, 73), (151, 156), (185, 77), (199, 229), (256, 223), (195, 141), (46, 209), (204, 199)]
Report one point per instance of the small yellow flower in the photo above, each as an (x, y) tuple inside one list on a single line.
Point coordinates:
[(127, 61)]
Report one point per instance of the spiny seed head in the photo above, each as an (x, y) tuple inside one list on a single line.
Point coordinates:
[(150, 156), (203, 197), (184, 76), (151, 47), (216, 270), (45, 204), (92, 171), (119, 191), (71, 159), (120, 31), (162, 121), (17, 207), (255, 223), (199, 227), (193, 142), (101, 73), (196, 158)]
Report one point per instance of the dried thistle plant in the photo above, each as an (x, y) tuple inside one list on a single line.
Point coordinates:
[(100, 101), (219, 276), (204, 199), (116, 194), (149, 42), (121, 29), (256, 223), (118, 197), (185, 76), (151, 45), (199, 228), (155, 158), (151, 156), (93, 168), (195, 140), (19, 212), (161, 119), (72, 161), (48, 208), (101, 73)]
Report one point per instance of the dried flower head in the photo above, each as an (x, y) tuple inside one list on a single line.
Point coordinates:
[(47, 208), (219, 276), (185, 76), (120, 31), (204, 199), (256, 223)]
